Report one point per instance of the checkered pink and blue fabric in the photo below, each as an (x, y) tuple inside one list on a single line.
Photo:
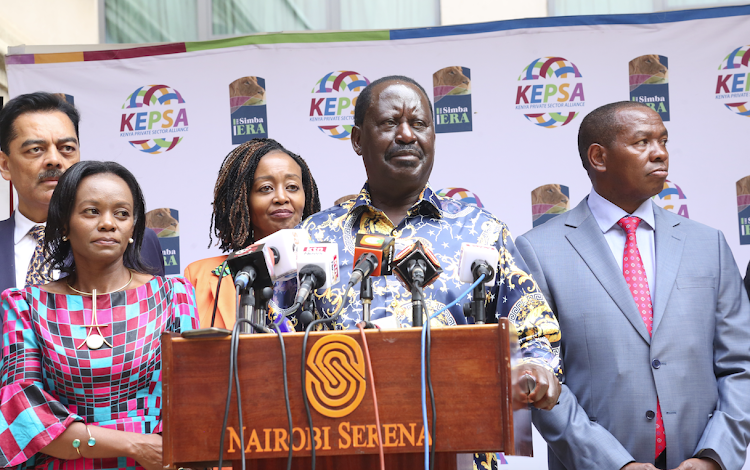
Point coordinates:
[(48, 383), (635, 276)]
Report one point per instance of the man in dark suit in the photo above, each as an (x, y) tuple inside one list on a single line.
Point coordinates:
[(38, 142), (653, 315)]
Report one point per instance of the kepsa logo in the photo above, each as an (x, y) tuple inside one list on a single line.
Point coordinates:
[(551, 92), (334, 115), (732, 84), (673, 199), (154, 119), (460, 194)]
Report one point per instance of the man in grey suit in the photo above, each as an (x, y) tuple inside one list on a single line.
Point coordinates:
[(655, 324)]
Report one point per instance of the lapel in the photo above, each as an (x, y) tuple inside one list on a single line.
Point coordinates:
[(669, 239), (587, 239), (7, 254)]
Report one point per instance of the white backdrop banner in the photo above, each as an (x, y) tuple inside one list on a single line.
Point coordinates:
[(508, 100)]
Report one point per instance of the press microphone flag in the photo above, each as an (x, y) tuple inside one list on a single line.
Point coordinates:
[(473, 255), (285, 243), (258, 259), (323, 255), (382, 246), (416, 257)]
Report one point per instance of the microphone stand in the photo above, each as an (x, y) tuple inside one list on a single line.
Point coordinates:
[(258, 316), (365, 295), (247, 307), (479, 294)]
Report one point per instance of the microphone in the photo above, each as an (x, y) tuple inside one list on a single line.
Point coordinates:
[(252, 266), (318, 265), (381, 247), (475, 260), (285, 243), (366, 265), (417, 263)]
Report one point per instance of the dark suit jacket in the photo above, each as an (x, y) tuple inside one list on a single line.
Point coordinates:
[(150, 252), (697, 360)]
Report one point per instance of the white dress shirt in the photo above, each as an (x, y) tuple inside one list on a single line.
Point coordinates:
[(607, 215)]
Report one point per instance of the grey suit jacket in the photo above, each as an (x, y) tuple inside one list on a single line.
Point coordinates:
[(697, 359)]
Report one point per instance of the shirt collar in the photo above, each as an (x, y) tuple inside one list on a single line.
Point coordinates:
[(428, 200), (607, 214), (23, 225)]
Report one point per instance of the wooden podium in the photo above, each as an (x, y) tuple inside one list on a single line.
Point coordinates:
[(471, 376)]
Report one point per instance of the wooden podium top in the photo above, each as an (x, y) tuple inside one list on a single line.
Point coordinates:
[(470, 376)]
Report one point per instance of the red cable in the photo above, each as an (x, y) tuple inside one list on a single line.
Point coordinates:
[(374, 395)]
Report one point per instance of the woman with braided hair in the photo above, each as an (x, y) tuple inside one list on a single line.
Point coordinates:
[(261, 188)]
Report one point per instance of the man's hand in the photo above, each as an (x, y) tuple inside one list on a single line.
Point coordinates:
[(699, 464), (639, 466), (544, 395)]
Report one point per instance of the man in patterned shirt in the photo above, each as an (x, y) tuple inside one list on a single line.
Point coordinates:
[(395, 135)]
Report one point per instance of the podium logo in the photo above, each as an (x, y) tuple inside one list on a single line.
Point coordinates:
[(557, 100), (335, 380), (460, 194), (156, 119), (334, 115)]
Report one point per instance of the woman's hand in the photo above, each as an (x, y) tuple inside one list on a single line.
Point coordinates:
[(148, 452)]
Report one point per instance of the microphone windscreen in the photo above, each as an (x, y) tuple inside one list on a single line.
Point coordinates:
[(414, 252), (382, 246), (286, 242), (471, 252), (260, 257), (324, 255)]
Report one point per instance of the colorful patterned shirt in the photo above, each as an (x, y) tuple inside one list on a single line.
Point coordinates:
[(442, 224), (50, 379)]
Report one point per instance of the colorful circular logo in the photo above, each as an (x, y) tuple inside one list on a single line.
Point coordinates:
[(672, 198), (335, 379), (460, 194), (334, 114), (154, 119), (551, 92), (733, 82)]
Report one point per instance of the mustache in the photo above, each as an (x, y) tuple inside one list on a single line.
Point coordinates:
[(402, 149), (49, 174)]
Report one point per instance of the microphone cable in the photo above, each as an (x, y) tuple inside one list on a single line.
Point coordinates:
[(309, 328), (222, 270), (235, 377), (276, 329), (361, 326), (427, 461)]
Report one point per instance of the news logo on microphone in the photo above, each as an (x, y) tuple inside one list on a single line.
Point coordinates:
[(382, 246)]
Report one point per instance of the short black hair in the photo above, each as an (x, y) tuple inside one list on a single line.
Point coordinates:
[(59, 253), (601, 127), (39, 102), (365, 97), (231, 220)]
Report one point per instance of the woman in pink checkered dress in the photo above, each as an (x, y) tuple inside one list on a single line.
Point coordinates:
[(81, 367)]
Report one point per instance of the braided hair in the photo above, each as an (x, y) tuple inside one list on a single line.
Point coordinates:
[(231, 221)]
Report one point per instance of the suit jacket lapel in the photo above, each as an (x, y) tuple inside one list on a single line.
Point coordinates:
[(590, 244), (7, 254), (669, 239)]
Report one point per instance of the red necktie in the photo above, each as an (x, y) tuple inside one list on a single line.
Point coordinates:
[(635, 276)]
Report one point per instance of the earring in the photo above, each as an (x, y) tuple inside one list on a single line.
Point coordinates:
[(130, 240), (65, 238)]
